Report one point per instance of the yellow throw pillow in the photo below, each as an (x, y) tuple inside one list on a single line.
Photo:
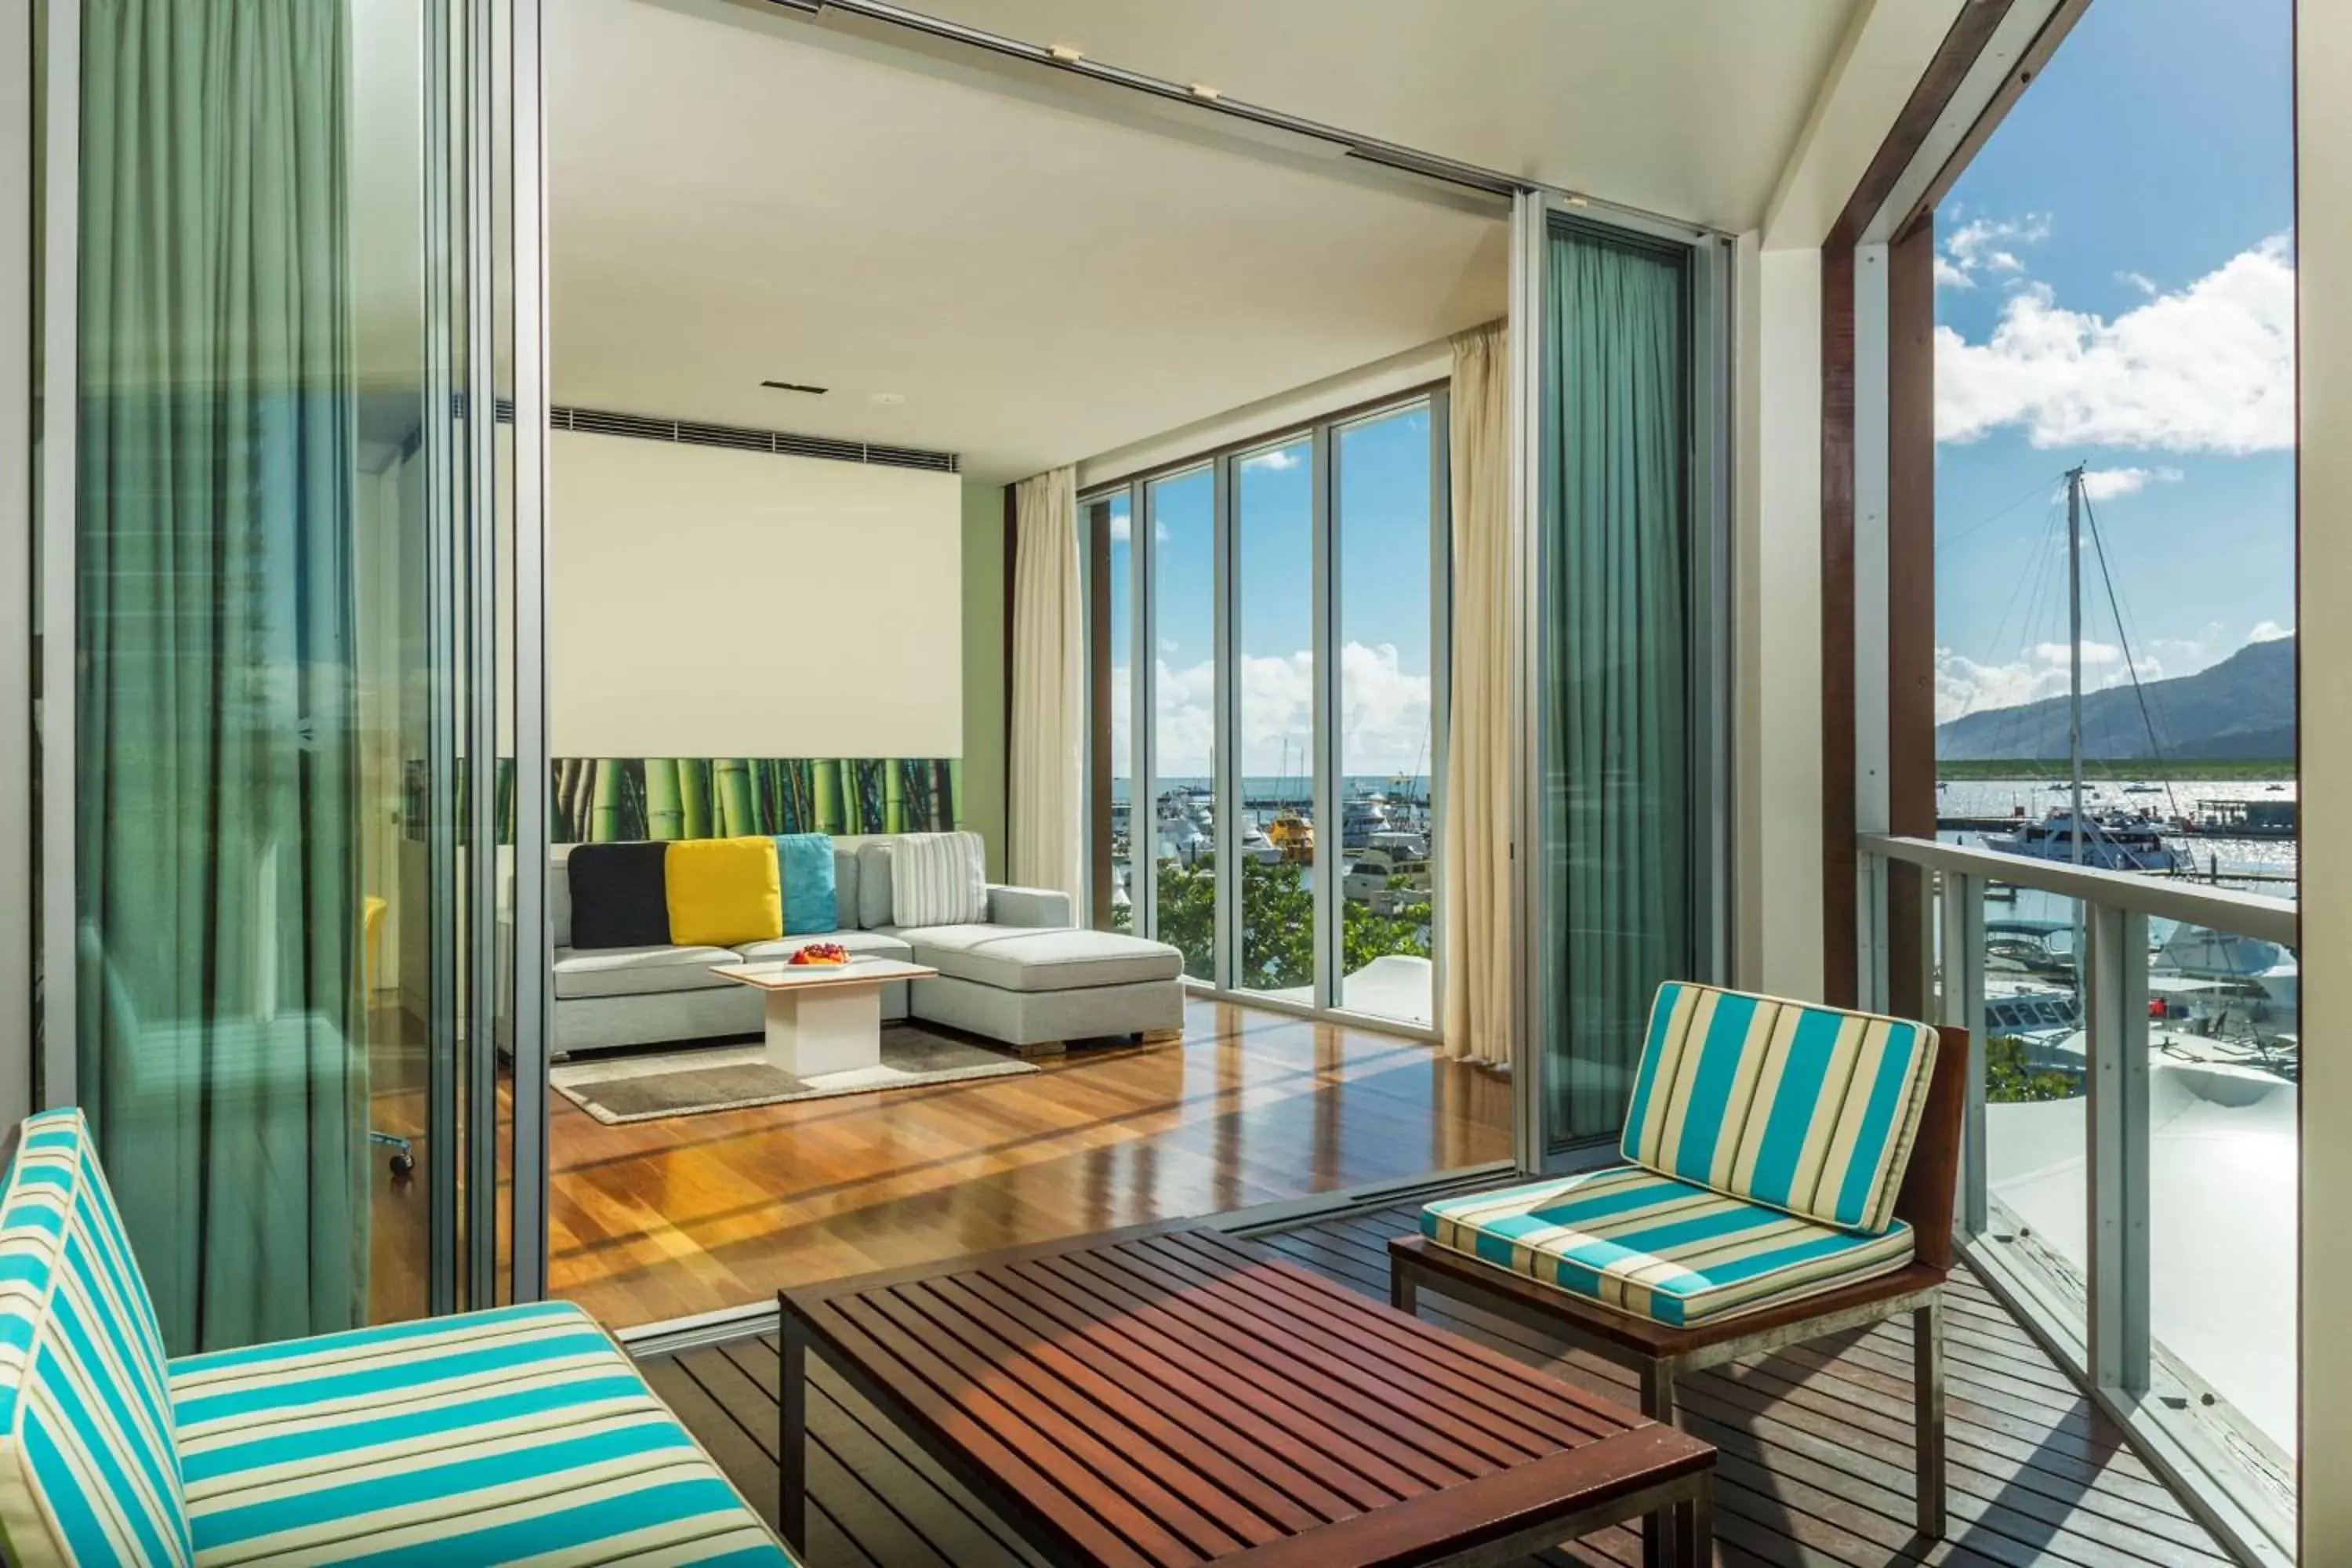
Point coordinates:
[(722, 892)]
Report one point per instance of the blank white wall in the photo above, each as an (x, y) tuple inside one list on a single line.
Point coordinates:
[(1777, 718), (708, 603), (2323, 461)]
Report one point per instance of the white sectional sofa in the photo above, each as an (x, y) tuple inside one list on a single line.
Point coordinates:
[(1026, 977)]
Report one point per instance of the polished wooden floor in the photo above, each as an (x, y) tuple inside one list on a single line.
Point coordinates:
[(663, 1219), (1815, 1445)]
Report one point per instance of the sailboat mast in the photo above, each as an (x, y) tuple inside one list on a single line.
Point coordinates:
[(2075, 653)]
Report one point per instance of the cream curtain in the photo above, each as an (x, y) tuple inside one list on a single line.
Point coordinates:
[(1048, 687), (1476, 928)]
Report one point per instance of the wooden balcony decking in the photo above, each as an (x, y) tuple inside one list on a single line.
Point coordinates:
[(1815, 1445)]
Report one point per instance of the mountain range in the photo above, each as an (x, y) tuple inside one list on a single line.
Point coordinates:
[(2240, 709)]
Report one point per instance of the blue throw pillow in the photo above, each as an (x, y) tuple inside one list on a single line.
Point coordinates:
[(805, 860)]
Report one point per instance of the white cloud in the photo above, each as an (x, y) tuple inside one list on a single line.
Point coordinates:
[(1982, 244), (2208, 368), (2269, 631), (2093, 652), (1383, 716), (1279, 458), (1121, 529), (2139, 281), (1964, 685), (2107, 484)]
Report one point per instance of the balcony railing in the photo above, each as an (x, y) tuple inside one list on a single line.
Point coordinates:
[(2130, 1177)]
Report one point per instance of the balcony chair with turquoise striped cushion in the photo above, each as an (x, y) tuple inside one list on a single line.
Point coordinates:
[(496, 1437), (1787, 1170)]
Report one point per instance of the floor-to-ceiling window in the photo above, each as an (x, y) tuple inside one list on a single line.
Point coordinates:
[(1294, 603), (1273, 611), (1181, 665), (275, 946), (1386, 556)]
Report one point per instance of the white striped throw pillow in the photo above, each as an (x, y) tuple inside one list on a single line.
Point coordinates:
[(937, 880)]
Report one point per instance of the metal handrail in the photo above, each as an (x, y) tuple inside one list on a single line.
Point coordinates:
[(2135, 892)]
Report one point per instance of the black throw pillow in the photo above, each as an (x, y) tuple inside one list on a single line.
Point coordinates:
[(618, 896)]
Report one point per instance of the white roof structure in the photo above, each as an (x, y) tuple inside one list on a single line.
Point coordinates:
[(2221, 1221)]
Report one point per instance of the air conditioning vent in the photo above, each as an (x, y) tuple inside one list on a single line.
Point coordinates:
[(746, 438), (742, 437)]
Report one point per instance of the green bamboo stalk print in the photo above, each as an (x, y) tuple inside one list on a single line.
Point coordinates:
[(871, 810), (605, 814), (694, 797), (732, 776), (825, 791), (665, 809), (614, 799), (800, 784)]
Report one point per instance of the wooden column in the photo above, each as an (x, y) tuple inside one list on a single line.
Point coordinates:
[(1911, 598)]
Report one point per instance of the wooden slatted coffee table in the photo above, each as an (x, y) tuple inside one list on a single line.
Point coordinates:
[(1168, 1396)]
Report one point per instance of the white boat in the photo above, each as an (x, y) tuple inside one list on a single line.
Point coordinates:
[(2120, 841)]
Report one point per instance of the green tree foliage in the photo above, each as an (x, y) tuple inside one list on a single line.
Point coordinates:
[(2010, 1078), (1277, 923)]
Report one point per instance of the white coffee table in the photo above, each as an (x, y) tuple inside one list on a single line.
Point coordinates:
[(824, 1019)]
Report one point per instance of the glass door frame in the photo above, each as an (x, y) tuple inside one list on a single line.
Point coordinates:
[(509, 949), (1711, 260), (1224, 463)]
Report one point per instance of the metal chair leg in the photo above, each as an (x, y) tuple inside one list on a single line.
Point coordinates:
[(1662, 1532), (1928, 1411), (1658, 1391), (1695, 1526)]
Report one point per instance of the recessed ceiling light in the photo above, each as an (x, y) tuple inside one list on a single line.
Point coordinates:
[(888, 399)]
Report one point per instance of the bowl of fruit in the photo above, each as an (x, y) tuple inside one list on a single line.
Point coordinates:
[(818, 954)]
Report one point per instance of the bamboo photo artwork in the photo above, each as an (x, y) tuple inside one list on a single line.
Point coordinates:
[(600, 800)]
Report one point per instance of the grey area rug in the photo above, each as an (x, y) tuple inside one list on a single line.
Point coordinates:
[(646, 1087)]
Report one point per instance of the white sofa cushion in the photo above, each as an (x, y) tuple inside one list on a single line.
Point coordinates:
[(1012, 959), (874, 944), (938, 879), (636, 971)]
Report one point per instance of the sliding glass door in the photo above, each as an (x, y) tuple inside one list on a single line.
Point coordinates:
[(297, 563), (1619, 798)]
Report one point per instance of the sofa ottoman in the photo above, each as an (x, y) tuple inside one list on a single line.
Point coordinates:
[(1035, 989)]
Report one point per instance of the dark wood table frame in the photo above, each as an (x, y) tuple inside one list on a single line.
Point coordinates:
[(1168, 1396)]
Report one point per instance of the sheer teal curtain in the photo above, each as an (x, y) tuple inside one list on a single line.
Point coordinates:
[(1615, 508), (221, 1047)]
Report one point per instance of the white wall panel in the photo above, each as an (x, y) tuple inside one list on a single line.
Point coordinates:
[(708, 603)]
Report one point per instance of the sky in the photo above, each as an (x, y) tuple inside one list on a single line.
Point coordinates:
[(1381, 508), (2115, 288)]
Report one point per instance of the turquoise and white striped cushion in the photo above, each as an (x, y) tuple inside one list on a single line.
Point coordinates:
[(523, 1434), (1808, 1109), (87, 1473), (1653, 1246)]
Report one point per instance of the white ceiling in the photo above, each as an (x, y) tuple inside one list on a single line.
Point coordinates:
[(1689, 107), (731, 202)]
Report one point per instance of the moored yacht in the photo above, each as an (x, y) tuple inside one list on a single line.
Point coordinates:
[(2117, 842)]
